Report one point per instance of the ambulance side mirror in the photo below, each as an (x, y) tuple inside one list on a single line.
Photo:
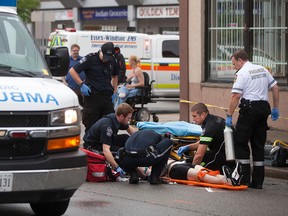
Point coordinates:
[(58, 61)]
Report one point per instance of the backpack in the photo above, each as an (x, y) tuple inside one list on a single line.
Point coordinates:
[(98, 170), (279, 156)]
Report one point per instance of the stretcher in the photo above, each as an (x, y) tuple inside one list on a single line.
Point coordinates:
[(181, 133), (182, 141), (204, 184)]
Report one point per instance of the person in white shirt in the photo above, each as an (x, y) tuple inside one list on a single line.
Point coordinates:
[(251, 86)]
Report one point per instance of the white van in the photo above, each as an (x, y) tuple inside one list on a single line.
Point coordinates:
[(40, 160), (159, 54)]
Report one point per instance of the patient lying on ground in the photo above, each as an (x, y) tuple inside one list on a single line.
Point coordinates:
[(187, 171)]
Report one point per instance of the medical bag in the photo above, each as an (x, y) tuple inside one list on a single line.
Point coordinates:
[(98, 170)]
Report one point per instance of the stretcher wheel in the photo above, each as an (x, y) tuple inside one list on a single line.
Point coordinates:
[(143, 114)]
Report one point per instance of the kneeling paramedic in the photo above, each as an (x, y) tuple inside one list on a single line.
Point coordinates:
[(145, 148), (103, 135)]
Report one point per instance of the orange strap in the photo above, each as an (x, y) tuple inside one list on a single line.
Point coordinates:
[(205, 171)]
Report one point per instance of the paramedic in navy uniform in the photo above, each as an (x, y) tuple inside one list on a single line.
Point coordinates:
[(101, 82), (210, 149), (103, 135), (251, 86), (145, 148)]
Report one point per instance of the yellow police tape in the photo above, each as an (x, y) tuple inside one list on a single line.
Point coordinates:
[(208, 105), (213, 106)]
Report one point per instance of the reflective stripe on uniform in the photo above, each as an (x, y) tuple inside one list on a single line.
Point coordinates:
[(206, 139), (243, 161), (160, 155), (258, 163)]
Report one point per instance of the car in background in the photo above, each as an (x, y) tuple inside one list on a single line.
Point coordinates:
[(222, 68)]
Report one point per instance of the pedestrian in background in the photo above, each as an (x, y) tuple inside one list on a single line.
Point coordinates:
[(134, 80), (121, 65), (75, 58), (251, 86), (101, 82)]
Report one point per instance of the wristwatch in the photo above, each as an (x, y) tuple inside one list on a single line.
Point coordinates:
[(229, 115), (80, 85)]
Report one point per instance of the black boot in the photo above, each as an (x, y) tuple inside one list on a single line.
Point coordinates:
[(246, 175), (154, 180), (134, 178)]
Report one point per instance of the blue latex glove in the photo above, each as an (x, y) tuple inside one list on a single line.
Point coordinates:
[(274, 114), (85, 90), (228, 121), (120, 171), (183, 149), (113, 97)]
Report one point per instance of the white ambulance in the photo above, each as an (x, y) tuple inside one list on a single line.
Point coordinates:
[(159, 54), (40, 160)]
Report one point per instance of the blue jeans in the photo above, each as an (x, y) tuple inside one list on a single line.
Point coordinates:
[(129, 93)]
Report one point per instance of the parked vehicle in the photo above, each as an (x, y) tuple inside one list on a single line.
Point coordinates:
[(159, 54), (222, 68), (40, 160)]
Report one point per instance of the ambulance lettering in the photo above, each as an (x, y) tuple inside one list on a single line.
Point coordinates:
[(175, 77), (27, 97), (96, 37), (131, 38)]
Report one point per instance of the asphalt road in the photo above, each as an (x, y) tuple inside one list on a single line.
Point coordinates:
[(164, 106), (121, 198)]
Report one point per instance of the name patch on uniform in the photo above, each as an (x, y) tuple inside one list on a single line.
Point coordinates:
[(109, 132)]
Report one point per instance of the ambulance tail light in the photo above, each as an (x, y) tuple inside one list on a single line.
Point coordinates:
[(70, 29), (147, 45)]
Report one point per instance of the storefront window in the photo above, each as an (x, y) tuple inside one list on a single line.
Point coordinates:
[(267, 40)]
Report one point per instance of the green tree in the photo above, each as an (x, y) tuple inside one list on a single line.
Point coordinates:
[(25, 7)]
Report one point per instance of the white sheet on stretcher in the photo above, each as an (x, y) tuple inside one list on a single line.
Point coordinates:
[(176, 128)]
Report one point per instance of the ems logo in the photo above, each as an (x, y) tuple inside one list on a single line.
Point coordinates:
[(83, 60), (109, 132)]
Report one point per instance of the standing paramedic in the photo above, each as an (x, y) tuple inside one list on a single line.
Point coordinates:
[(210, 149), (101, 82), (103, 135), (251, 86), (75, 58)]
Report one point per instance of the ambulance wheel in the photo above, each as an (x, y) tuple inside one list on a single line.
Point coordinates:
[(52, 208), (143, 114)]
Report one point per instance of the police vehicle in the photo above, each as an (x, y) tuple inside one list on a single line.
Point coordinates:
[(40, 160)]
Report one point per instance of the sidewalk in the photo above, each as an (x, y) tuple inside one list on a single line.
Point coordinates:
[(272, 135)]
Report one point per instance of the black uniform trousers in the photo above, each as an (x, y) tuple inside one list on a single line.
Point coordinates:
[(157, 159), (95, 107), (252, 126)]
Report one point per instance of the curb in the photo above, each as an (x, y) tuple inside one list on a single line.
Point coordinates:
[(276, 172)]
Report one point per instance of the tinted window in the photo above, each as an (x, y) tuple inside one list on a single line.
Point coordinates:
[(170, 49)]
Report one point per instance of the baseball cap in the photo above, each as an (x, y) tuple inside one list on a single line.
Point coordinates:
[(108, 51)]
